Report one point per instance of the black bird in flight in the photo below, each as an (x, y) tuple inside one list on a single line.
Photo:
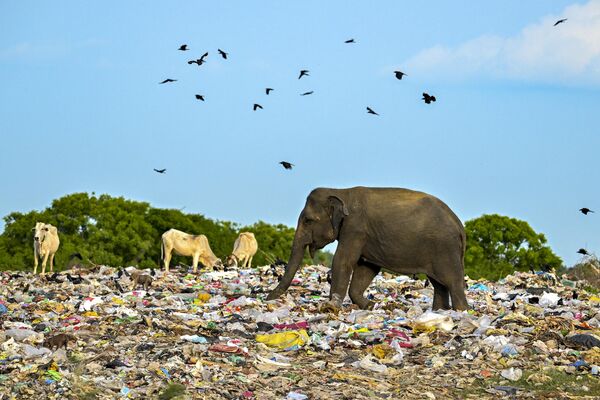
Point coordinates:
[(286, 164), (200, 60), (350, 41), (256, 106), (307, 93), (303, 72), (585, 210), (268, 90), (560, 21), (370, 111), (222, 53), (427, 98), (583, 252), (199, 97), (183, 47), (399, 74), (160, 171), (169, 80)]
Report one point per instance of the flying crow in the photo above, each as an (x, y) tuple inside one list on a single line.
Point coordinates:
[(560, 21), (427, 98), (370, 111), (399, 74)]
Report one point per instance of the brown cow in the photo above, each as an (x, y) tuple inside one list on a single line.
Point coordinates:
[(187, 245)]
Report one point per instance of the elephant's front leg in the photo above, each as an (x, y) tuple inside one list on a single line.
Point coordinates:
[(345, 259), (361, 279)]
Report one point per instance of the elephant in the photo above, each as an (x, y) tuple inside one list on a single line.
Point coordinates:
[(401, 230)]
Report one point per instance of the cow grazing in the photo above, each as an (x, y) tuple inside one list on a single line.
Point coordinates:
[(244, 249), (187, 245), (45, 245)]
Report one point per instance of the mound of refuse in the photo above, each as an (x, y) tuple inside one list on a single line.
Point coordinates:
[(212, 335)]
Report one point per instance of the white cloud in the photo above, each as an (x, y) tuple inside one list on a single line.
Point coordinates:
[(566, 54)]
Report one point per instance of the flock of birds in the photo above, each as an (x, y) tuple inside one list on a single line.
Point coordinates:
[(427, 98)]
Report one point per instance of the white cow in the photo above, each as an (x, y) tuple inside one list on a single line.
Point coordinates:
[(45, 244), (188, 245), (244, 248)]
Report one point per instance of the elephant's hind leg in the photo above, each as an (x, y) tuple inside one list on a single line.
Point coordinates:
[(441, 297), (361, 279), (456, 287)]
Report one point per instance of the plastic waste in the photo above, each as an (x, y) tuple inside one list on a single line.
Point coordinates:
[(430, 321), (509, 350), (479, 286), (288, 340), (194, 338), (296, 396), (369, 363), (512, 374), (583, 340), (549, 300), (19, 334)]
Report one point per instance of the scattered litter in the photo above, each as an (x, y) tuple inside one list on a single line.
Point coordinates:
[(213, 335)]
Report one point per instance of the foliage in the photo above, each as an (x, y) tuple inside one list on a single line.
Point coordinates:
[(499, 245), (119, 232)]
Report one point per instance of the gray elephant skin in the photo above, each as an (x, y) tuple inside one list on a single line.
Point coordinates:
[(401, 230)]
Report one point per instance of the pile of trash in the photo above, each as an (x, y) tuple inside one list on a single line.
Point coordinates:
[(100, 335)]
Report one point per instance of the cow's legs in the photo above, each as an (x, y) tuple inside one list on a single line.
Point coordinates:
[(195, 262), (44, 263), (52, 262), (167, 258), (250, 262), (35, 262)]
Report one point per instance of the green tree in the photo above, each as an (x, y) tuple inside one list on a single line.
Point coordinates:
[(119, 232), (499, 245)]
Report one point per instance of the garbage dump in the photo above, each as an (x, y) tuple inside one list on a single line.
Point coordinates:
[(211, 335)]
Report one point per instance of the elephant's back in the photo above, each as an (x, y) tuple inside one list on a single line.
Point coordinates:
[(399, 205)]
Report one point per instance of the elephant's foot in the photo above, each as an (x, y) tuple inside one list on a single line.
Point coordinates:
[(368, 305), (334, 305), (330, 307)]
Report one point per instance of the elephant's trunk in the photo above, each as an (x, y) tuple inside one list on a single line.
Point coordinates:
[(290, 271)]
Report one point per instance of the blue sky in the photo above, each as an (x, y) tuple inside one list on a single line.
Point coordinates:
[(514, 130)]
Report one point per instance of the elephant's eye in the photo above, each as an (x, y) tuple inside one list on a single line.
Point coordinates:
[(307, 220)]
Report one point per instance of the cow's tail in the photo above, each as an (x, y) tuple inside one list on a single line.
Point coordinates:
[(162, 254)]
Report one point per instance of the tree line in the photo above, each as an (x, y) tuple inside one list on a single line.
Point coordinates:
[(119, 232)]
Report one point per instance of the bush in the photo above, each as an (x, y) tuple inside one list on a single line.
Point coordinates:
[(119, 232)]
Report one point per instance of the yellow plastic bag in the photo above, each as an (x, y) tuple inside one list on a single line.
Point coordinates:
[(202, 298), (284, 340)]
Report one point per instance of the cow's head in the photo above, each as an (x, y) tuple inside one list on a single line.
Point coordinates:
[(231, 261), (218, 264), (41, 230)]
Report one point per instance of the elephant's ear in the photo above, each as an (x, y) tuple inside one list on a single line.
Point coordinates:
[(337, 212)]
